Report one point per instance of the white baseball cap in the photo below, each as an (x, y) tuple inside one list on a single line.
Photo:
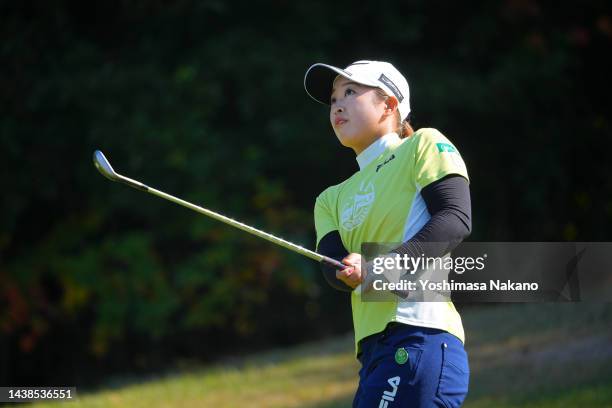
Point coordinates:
[(319, 81)]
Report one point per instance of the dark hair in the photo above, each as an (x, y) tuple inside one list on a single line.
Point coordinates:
[(403, 128)]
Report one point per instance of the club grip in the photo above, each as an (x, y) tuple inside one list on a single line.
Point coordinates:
[(334, 263)]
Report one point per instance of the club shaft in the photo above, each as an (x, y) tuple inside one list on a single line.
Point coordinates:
[(236, 224)]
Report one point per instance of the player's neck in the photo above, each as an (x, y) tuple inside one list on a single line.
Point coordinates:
[(376, 148)]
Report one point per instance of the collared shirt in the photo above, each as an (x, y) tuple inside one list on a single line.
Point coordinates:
[(382, 203)]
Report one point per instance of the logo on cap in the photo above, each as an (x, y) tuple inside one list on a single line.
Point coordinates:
[(391, 86)]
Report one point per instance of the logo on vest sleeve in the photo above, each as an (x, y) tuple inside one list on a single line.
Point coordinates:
[(455, 158), (445, 147), (354, 212)]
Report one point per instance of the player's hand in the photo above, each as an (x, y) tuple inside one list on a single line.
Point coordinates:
[(351, 276)]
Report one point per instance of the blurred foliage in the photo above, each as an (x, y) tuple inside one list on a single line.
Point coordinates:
[(204, 100)]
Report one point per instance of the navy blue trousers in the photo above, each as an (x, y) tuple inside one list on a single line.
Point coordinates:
[(410, 366)]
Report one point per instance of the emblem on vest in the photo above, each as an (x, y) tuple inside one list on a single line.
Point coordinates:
[(355, 211)]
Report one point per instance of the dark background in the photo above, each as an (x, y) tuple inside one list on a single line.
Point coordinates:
[(205, 100)]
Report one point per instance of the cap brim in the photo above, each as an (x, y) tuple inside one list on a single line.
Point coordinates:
[(319, 80)]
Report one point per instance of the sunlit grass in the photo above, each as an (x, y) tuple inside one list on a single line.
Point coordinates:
[(544, 356)]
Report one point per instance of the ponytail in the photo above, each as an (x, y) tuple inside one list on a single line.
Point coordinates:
[(404, 129)]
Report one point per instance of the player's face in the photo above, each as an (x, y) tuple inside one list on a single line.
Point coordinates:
[(357, 114)]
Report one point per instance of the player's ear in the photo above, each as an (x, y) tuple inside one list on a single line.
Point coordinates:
[(391, 104)]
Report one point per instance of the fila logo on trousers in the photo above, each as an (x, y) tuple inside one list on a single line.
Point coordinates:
[(389, 396)]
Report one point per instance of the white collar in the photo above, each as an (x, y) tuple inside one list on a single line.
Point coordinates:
[(376, 149)]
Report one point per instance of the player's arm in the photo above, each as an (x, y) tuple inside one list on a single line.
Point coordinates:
[(329, 242), (331, 245), (448, 202), (441, 176)]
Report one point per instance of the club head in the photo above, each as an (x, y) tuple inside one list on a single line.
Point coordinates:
[(104, 166)]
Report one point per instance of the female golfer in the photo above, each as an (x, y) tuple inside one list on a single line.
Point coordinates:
[(411, 188)]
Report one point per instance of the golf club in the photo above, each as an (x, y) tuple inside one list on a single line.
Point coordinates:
[(107, 171)]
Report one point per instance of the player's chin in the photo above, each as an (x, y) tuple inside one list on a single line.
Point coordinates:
[(344, 138)]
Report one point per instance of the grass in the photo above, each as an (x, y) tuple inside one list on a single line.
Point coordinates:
[(532, 355)]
